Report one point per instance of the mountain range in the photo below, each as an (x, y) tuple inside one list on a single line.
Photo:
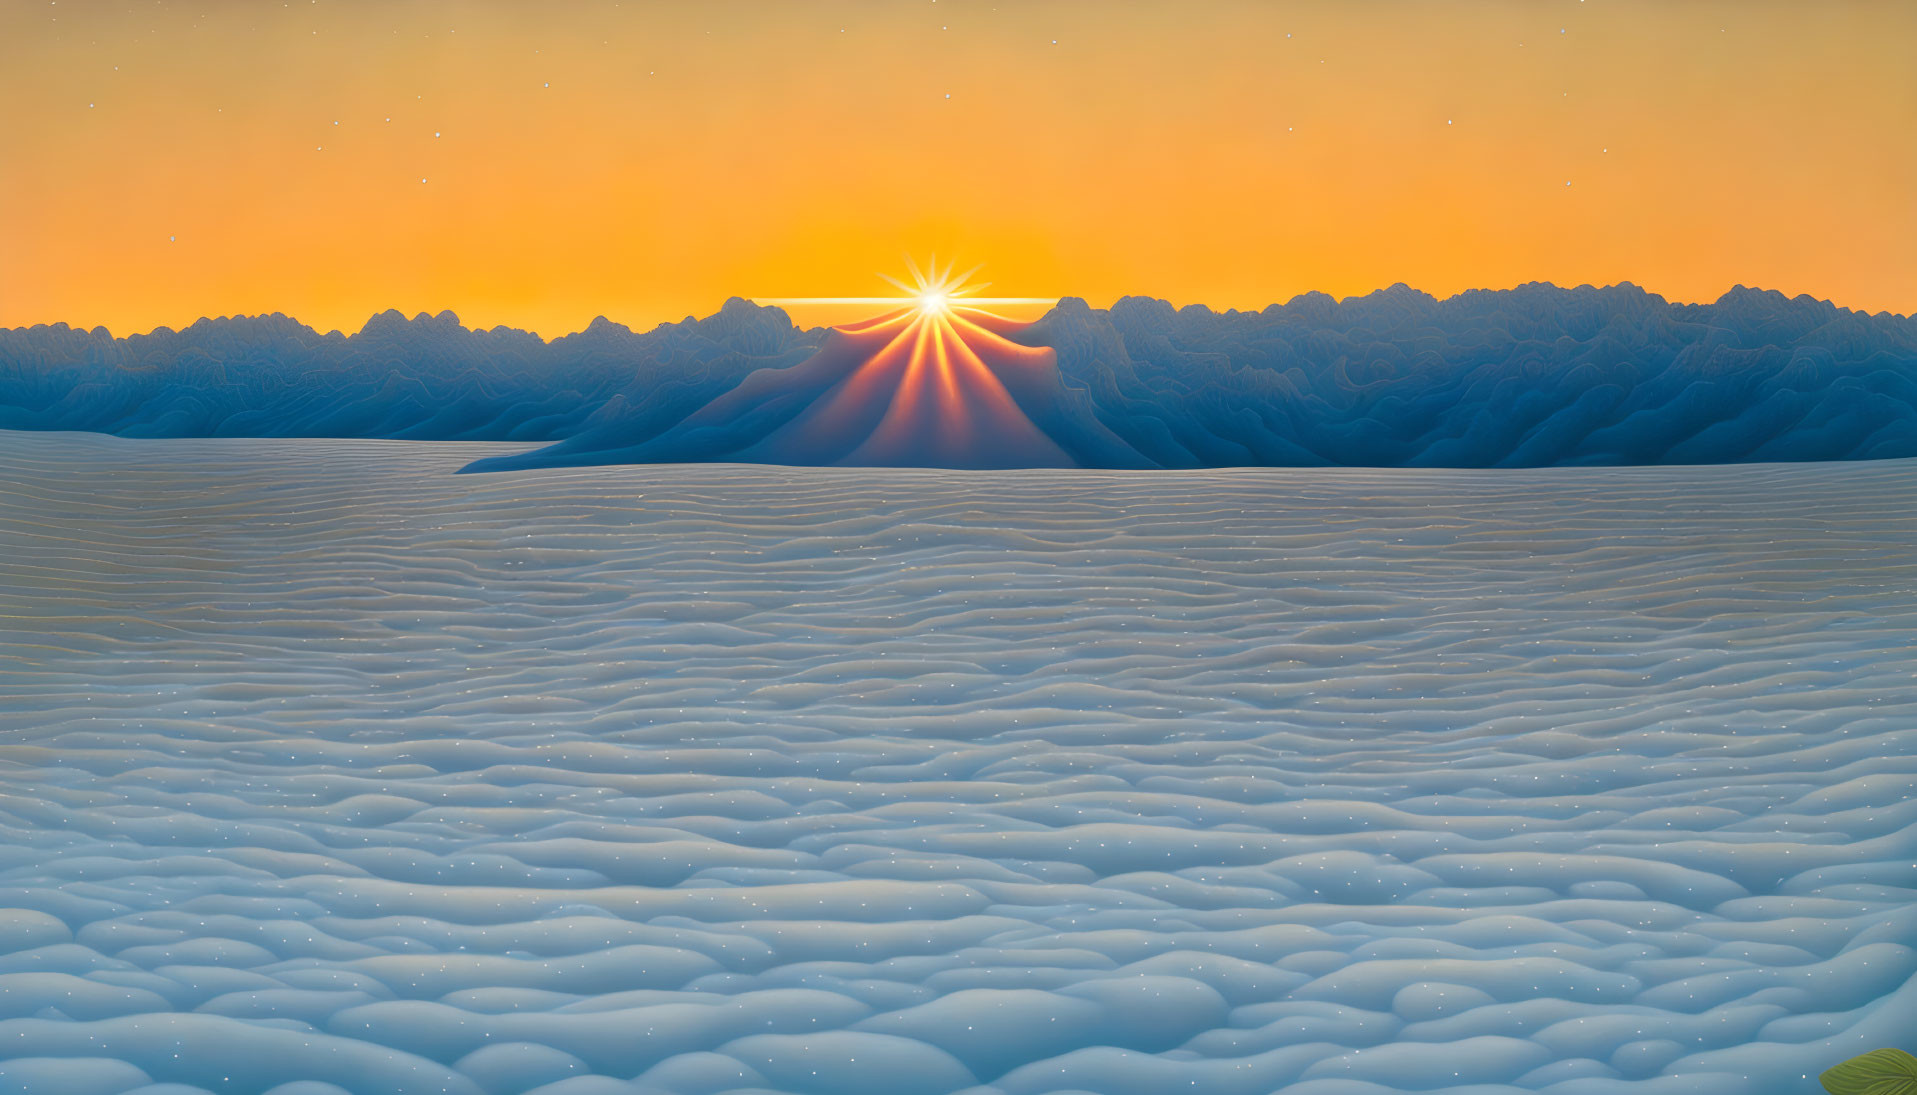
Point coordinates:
[(1533, 376)]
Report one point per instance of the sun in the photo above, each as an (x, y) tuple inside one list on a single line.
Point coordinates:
[(932, 292), (936, 292)]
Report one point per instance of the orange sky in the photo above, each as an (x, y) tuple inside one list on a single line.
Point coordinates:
[(162, 161)]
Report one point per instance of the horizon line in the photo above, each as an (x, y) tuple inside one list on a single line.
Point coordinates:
[(779, 303)]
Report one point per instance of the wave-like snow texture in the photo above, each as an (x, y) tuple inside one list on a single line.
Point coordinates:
[(1527, 377), (321, 763)]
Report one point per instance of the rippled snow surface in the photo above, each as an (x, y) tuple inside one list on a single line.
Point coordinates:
[(323, 764)]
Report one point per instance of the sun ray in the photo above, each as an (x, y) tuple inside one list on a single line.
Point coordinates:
[(933, 290), (918, 276)]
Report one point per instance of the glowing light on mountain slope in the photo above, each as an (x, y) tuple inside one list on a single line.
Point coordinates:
[(932, 380)]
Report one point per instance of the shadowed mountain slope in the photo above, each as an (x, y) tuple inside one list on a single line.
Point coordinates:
[(1531, 376)]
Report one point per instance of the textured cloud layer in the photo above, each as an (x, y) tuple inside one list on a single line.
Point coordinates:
[(1534, 376), (323, 766)]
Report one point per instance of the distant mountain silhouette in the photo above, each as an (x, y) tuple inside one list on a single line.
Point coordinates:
[(1531, 376), (425, 378)]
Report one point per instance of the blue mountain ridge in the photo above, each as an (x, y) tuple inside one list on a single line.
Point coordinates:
[(425, 378), (1532, 376)]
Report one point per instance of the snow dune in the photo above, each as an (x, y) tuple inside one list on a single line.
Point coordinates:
[(324, 769)]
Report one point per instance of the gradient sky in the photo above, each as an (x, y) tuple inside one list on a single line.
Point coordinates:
[(540, 164)]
